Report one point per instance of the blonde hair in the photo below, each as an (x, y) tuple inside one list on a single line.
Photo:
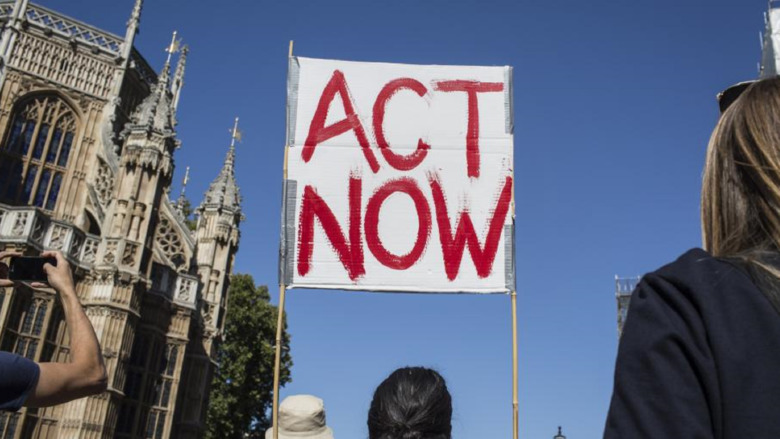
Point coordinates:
[(740, 199)]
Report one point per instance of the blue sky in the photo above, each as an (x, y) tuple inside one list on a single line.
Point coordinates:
[(614, 103)]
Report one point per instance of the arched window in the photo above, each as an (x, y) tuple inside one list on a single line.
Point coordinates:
[(34, 155)]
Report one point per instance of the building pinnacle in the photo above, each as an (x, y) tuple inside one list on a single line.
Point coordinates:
[(235, 136), (157, 109), (224, 191), (178, 77), (180, 200), (135, 17), (171, 49)]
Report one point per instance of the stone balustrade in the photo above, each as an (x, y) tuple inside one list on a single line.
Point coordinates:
[(180, 288), (186, 290), (31, 227)]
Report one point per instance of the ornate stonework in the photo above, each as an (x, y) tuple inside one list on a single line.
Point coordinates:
[(87, 143)]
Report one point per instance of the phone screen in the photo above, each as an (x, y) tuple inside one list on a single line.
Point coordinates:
[(26, 268)]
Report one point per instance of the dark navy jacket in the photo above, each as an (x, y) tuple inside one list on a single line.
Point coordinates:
[(699, 356), (18, 377)]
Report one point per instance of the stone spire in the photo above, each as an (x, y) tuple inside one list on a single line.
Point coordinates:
[(223, 191), (132, 30), (172, 48), (127, 49), (8, 35), (770, 42), (182, 199), (178, 77), (156, 111)]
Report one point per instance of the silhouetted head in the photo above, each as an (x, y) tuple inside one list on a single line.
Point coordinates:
[(412, 403)]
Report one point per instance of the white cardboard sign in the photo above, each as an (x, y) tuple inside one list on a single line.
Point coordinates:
[(400, 178)]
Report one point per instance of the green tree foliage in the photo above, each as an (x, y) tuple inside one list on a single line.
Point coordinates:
[(187, 210), (242, 388)]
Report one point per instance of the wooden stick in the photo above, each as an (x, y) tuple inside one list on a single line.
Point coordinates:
[(515, 386), (278, 359), (280, 317)]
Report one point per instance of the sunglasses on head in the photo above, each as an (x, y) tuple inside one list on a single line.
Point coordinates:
[(729, 95)]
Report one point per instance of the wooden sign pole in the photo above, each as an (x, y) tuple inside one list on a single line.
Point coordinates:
[(278, 360), (280, 318), (515, 386)]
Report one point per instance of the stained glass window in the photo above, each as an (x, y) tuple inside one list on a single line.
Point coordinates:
[(21, 347), (16, 131), (173, 353), (28, 318), (54, 191), (41, 313), (43, 186), (8, 424), (40, 141), (31, 348), (37, 146), (65, 150), (27, 138), (150, 425), (55, 140), (29, 181), (160, 426)]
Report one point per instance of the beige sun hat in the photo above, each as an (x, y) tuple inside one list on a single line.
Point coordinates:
[(301, 416)]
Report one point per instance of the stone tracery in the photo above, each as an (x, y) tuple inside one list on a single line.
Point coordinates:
[(170, 243)]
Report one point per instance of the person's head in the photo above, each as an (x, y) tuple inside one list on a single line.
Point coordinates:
[(412, 403), (302, 417), (740, 202)]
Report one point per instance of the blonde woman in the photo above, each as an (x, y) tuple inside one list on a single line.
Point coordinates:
[(700, 352)]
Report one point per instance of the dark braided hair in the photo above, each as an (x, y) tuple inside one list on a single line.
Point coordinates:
[(412, 403)]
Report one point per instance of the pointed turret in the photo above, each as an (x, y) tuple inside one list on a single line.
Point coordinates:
[(178, 77), (156, 112), (223, 191), (770, 42), (217, 238), (149, 144)]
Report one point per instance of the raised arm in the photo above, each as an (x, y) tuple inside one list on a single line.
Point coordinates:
[(85, 374)]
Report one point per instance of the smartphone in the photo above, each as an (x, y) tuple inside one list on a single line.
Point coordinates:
[(29, 268)]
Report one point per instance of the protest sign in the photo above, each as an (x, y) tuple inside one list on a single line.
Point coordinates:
[(399, 178)]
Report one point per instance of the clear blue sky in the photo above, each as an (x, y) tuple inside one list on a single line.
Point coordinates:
[(614, 103)]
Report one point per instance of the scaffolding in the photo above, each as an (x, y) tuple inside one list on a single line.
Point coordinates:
[(624, 286)]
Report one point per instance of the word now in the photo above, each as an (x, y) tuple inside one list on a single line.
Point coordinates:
[(337, 84), (350, 249)]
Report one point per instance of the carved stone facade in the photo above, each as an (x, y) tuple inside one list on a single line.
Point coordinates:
[(87, 142)]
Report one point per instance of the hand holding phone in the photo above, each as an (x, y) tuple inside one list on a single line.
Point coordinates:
[(58, 273), (29, 268), (4, 281), (51, 269)]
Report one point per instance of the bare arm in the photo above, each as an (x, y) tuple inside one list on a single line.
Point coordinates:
[(85, 374)]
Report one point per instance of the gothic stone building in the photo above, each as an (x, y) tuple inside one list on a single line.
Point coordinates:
[(87, 137)]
